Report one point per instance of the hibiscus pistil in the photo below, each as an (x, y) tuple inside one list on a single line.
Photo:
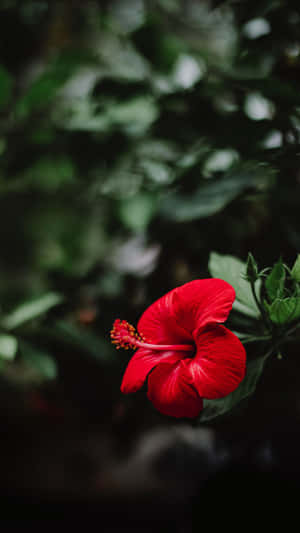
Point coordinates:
[(124, 335)]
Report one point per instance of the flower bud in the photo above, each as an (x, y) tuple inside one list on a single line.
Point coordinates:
[(251, 269)]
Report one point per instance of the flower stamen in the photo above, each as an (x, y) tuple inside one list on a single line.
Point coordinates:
[(124, 335)]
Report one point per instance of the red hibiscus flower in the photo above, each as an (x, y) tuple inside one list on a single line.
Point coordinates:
[(183, 349)]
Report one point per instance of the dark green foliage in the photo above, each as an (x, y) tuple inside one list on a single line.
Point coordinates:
[(136, 138)]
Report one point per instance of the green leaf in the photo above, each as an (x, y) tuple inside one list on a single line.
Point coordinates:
[(8, 347), (49, 174), (45, 87), (39, 94), (158, 149), (275, 281), (5, 86), (206, 201), (214, 196), (232, 270), (136, 212), (285, 310), (135, 115), (214, 408), (157, 172), (40, 361), (296, 269), (30, 310)]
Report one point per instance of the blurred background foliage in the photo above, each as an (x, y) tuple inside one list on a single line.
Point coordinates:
[(136, 137)]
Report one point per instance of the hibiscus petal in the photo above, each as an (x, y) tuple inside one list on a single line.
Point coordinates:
[(202, 302), (140, 365), (170, 392), (220, 362), (182, 311), (159, 326)]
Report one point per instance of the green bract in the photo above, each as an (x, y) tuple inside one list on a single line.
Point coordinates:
[(275, 281), (283, 311), (296, 269)]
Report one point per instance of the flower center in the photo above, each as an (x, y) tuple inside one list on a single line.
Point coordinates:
[(124, 335)]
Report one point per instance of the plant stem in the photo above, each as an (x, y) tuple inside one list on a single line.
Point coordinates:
[(255, 339)]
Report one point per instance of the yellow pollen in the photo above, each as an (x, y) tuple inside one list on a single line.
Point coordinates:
[(124, 335)]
